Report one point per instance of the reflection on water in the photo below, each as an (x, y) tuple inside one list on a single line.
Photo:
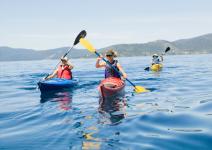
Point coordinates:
[(176, 114), (64, 98), (107, 108), (157, 73), (90, 142), (105, 118)]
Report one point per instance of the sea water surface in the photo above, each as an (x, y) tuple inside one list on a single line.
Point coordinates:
[(175, 114)]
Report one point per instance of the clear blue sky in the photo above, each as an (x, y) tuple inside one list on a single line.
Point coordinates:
[(47, 24)]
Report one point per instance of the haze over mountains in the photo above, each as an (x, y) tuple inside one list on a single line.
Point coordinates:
[(197, 45)]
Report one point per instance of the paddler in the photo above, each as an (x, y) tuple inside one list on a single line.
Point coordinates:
[(64, 70), (109, 71), (155, 59)]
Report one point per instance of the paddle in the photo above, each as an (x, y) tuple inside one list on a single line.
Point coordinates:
[(167, 49), (82, 34), (87, 45)]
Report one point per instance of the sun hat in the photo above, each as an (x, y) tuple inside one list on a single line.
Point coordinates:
[(155, 55), (110, 52)]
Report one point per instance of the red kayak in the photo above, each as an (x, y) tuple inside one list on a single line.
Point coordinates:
[(111, 87)]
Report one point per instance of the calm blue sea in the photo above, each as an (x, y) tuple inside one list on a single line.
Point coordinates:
[(176, 114)]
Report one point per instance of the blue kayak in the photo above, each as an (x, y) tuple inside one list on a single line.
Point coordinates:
[(56, 84)]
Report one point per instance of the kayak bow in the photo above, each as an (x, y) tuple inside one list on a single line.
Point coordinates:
[(156, 67), (57, 84), (111, 87)]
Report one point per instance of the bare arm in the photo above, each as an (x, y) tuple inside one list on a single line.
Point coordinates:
[(121, 70), (102, 64), (161, 58), (71, 66), (49, 77)]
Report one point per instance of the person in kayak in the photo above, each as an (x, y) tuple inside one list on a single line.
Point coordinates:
[(155, 59), (109, 71), (64, 70)]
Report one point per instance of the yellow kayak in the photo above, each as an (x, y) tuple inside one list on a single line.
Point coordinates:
[(156, 67)]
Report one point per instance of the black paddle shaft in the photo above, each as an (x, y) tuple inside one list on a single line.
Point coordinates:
[(59, 62), (82, 34)]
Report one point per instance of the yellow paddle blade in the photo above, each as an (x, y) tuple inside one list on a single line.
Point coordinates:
[(87, 45), (139, 89)]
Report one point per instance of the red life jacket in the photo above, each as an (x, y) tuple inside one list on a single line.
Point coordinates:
[(64, 73)]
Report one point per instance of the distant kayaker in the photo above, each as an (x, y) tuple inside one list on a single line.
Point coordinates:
[(109, 71), (64, 70), (155, 59)]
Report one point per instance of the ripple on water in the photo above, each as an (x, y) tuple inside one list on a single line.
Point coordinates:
[(175, 114), (186, 130)]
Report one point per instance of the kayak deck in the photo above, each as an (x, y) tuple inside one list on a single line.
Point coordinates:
[(57, 84), (111, 87), (156, 67)]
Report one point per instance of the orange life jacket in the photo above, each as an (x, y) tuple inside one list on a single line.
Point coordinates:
[(64, 73)]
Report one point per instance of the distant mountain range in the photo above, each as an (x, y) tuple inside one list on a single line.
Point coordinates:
[(14, 54), (197, 45)]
